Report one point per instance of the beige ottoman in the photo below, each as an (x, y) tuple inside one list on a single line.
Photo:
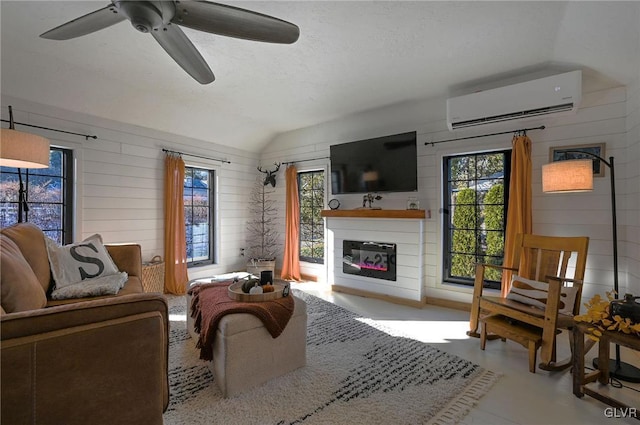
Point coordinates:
[(245, 354)]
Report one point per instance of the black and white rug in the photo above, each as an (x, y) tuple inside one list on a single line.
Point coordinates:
[(357, 372)]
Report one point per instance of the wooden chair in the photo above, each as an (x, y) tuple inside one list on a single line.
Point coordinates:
[(539, 258)]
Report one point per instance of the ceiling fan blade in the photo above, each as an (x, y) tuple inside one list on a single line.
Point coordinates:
[(180, 48), (234, 22), (94, 21)]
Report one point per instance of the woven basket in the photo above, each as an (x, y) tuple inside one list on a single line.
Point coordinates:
[(153, 275)]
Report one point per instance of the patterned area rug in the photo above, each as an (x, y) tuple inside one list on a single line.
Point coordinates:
[(357, 373)]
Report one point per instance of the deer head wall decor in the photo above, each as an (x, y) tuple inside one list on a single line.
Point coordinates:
[(271, 175)]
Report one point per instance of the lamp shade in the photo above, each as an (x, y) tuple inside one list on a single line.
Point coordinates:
[(23, 150), (370, 176), (574, 175)]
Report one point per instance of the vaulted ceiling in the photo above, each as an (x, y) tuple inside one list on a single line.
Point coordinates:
[(350, 57)]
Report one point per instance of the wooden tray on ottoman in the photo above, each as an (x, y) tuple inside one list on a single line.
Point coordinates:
[(235, 293)]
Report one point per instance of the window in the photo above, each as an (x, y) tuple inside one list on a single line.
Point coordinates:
[(476, 194), (198, 215), (49, 194), (311, 195)]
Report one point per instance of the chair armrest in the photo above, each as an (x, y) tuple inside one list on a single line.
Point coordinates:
[(563, 279), (128, 258), (495, 266), (109, 355)]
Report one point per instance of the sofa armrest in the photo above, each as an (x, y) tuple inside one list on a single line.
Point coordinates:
[(102, 361), (128, 258)]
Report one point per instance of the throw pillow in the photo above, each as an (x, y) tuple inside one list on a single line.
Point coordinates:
[(536, 293), (80, 261), (19, 285)]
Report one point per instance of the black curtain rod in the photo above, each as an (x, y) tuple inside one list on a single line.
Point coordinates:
[(86, 136), (305, 160), (522, 130), (197, 156)]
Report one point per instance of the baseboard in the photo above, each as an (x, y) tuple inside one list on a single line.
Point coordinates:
[(309, 277), (384, 297), (306, 277), (456, 305)]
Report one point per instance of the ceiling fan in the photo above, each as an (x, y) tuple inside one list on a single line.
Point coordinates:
[(163, 18)]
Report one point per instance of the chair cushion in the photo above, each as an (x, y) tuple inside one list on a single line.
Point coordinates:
[(74, 263), (535, 293), (21, 289)]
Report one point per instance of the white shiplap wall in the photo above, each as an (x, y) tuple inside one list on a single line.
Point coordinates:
[(407, 234), (604, 116), (119, 181), (631, 247)]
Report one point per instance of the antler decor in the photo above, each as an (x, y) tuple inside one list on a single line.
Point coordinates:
[(271, 175)]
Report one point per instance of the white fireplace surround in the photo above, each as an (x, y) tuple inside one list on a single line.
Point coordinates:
[(406, 230)]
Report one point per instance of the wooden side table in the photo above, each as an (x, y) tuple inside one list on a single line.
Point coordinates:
[(580, 379)]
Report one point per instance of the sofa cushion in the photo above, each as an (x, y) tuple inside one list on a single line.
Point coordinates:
[(30, 240), (74, 263), (21, 289)]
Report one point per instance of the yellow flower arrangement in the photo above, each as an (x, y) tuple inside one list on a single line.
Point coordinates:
[(598, 314)]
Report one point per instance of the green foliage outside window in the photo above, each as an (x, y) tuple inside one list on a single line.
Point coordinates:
[(464, 238), (494, 220), (477, 205)]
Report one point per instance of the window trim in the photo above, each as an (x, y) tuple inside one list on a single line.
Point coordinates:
[(67, 192), (212, 218), (446, 223), (312, 260)]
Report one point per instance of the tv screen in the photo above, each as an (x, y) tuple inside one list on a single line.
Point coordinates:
[(383, 164)]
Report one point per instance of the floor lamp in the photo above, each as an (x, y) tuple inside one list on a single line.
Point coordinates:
[(576, 175), (22, 150)]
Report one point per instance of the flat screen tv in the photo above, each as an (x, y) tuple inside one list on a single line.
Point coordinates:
[(382, 164)]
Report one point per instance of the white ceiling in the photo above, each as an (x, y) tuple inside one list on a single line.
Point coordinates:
[(351, 57)]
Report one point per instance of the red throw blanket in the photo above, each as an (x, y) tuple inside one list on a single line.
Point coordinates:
[(211, 302)]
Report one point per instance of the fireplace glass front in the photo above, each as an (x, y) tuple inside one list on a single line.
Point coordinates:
[(370, 259)]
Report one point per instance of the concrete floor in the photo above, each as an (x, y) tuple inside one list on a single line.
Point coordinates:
[(519, 397)]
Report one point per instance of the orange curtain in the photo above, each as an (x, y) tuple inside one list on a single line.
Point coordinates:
[(519, 209), (175, 244), (291, 260)]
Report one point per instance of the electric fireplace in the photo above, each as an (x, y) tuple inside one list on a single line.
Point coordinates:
[(370, 259)]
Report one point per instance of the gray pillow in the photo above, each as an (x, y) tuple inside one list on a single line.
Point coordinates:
[(77, 262), (105, 285)]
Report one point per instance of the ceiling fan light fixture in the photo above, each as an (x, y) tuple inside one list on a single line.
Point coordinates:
[(151, 16)]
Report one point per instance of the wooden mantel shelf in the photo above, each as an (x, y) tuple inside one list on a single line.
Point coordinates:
[(367, 213)]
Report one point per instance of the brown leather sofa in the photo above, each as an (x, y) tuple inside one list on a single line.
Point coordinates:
[(81, 361)]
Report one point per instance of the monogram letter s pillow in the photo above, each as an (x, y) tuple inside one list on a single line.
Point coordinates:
[(83, 269)]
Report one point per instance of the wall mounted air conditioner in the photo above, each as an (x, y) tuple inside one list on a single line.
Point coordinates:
[(555, 95)]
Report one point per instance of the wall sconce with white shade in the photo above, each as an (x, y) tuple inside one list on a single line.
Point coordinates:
[(22, 150), (577, 176)]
